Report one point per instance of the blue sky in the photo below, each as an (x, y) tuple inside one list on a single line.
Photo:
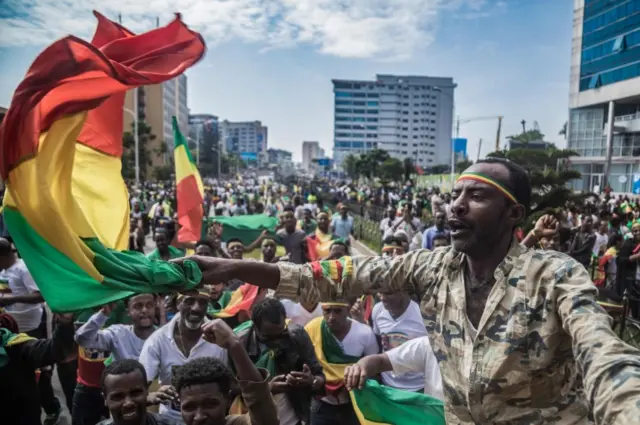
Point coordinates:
[(273, 60)]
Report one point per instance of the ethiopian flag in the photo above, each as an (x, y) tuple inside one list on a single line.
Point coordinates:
[(329, 353), (66, 204), (241, 300), (189, 189), (377, 404)]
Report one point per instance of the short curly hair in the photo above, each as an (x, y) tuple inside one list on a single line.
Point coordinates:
[(203, 370), (269, 309), (120, 367)]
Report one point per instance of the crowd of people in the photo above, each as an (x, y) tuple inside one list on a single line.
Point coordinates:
[(500, 326)]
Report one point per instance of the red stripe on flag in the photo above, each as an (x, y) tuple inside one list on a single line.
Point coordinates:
[(189, 209), (316, 268)]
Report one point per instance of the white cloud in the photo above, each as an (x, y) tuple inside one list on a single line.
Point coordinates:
[(382, 29)]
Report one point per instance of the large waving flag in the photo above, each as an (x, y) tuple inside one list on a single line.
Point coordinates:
[(189, 189), (66, 204), (377, 404), (241, 300)]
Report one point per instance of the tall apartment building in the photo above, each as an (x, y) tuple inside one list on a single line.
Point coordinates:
[(157, 104), (408, 116), (605, 89), (247, 138), (310, 151)]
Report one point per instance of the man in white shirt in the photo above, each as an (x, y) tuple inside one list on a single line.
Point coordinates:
[(387, 222), (123, 341), (177, 342), (602, 238), (396, 320), (413, 356), (23, 301), (354, 340)]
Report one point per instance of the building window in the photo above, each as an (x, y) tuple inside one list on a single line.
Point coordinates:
[(343, 94), (372, 103), (372, 119), (343, 102)]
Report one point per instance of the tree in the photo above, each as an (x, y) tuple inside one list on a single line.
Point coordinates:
[(463, 165), (368, 165), (527, 136), (409, 168), (549, 177), (164, 172), (349, 165), (145, 155), (391, 169), (231, 162), (563, 130), (439, 169)]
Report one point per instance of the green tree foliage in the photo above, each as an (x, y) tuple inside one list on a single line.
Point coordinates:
[(145, 135), (368, 165), (549, 175), (349, 165), (391, 170), (409, 168), (438, 169), (231, 163), (463, 165), (164, 172)]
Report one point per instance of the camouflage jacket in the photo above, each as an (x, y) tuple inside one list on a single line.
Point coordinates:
[(544, 352)]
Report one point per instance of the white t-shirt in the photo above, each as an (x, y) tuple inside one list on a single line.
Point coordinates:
[(601, 240), (359, 342), (27, 316), (417, 356), (298, 314), (395, 332), (160, 354)]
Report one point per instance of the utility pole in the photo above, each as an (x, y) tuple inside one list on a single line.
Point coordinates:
[(523, 122), (498, 133), (479, 149)]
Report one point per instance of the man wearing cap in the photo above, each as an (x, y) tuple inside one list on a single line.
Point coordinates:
[(179, 341), (518, 333)]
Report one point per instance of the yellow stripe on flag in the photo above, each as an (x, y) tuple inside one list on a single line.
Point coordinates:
[(41, 189), (334, 373)]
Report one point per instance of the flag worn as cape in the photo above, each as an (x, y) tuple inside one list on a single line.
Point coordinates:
[(319, 245), (223, 302), (241, 300), (377, 404), (189, 189), (9, 339), (330, 355), (247, 228), (66, 204)]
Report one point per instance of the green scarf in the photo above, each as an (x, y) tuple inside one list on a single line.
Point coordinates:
[(267, 358), (331, 348), (8, 339), (223, 302)]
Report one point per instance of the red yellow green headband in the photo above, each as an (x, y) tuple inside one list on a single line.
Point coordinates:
[(483, 178)]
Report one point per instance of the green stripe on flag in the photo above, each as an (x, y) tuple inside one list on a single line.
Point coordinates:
[(379, 404)]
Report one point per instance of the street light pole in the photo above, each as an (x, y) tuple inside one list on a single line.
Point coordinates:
[(136, 140), (198, 145), (135, 137)]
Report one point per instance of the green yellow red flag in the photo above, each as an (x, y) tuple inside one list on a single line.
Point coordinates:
[(189, 189), (66, 204)]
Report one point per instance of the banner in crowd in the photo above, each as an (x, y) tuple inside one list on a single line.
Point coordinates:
[(66, 204), (247, 228)]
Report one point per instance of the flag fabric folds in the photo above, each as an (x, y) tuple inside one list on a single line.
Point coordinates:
[(66, 204), (247, 228), (329, 353), (377, 404), (241, 300), (189, 189)]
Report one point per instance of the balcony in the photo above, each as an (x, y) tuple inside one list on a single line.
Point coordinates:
[(625, 124)]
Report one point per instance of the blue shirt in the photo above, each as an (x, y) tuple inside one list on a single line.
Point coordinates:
[(430, 234), (341, 227)]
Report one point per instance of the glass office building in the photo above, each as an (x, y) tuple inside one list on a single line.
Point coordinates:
[(605, 73)]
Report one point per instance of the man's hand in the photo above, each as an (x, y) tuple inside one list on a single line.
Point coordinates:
[(212, 268), (357, 311), (355, 376), (107, 309), (218, 332), (64, 318), (279, 384), (165, 394), (300, 379), (546, 226)]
